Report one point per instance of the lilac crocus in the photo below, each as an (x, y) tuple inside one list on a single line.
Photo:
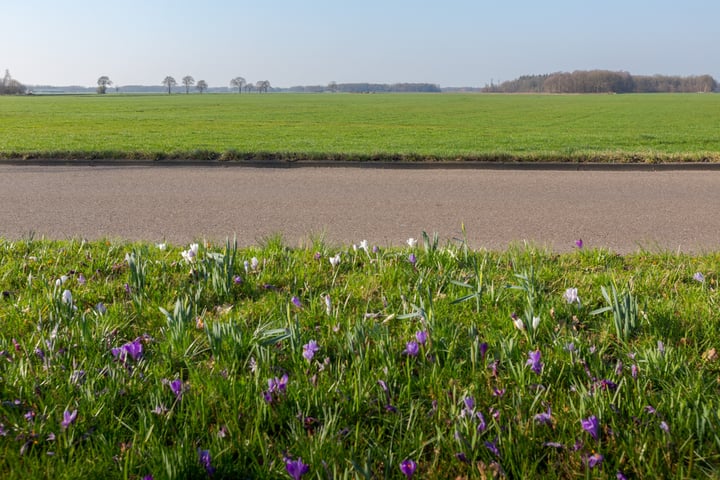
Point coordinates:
[(421, 336), (68, 418), (408, 467), (205, 461), (296, 301), (699, 277), (592, 426), (237, 280), (296, 468), (492, 446), (310, 349), (133, 349), (534, 362), (483, 350), (579, 243), (412, 259)]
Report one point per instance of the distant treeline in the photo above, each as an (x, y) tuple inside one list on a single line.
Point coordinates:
[(367, 88), (604, 81), (10, 86)]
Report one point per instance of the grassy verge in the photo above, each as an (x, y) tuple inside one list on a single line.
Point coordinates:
[(127, 360), (396, 128)]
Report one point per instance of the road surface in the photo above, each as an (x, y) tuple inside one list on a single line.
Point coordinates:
[(620, 210)]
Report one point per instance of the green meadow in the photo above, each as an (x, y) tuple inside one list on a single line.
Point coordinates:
[(139, 361), (619, 128)]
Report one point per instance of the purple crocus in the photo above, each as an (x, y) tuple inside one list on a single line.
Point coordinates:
[(579, 243), (408, 467), (594, 460), (534, 361), (296, 301), (492, 446), (177, 387), (68, 418), (132, 349), (421, 336), (237, 280), (592, 426), (310, 349), (544, 418), (205, 461), (412, 259), (411, 349), (296, 468), (699, 277)]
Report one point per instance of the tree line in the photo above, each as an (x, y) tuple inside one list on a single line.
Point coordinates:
[(262, 86), (10, 86), (604, 81)]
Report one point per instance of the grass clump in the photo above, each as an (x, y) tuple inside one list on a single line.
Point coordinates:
[(128, 360)]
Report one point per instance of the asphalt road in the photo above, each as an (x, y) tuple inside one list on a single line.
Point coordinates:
[(621, 210)]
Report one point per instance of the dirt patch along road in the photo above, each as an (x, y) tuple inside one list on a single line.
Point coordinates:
[(623, 211)]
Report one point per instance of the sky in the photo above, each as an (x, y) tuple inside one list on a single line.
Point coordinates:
[(451, 43)]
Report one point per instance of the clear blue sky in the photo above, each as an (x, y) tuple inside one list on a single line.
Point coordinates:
[(313, 42)]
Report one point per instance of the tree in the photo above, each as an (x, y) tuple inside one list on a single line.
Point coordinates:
[(103, 82), (262, 86), (188, 81), (10, 86), (169, 82), (238, 82), (201, 86), (333, 86)]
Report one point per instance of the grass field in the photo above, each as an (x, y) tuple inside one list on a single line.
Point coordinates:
[(622, 128), (135, 361)]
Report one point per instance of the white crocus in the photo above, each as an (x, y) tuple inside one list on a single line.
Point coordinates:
[(535, 322), (61, 280), (335, 261), (190, 254), (571, 296), (364, 245), (412, 242), (67, 297), (517, 321), (254, 263), (161, 246)]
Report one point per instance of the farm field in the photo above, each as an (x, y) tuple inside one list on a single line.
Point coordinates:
[(141, 360), (619, 128)]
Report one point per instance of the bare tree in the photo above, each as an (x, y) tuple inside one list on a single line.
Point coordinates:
[(103, 82), (169, 82), (262, 86), (333, 86), (188, 81), (201, 86), (238, 82), (10, 86)]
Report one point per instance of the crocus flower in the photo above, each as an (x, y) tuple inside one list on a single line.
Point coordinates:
[(594, 460), (592, 426), (310, 349), (492, 446), (81, 279), (571, 296), (101, 308), (296, 468), (61, 280), (421, 337), (296, 301), (254, 263), (335, 261), (205, 461), (408, 467), (412, 349), (579, 243), (68, 418), (190, 254), (483, 349), (67, 297), (699, 277), (517, 321), (364, 245), (132, 349), (237, 279), (412, 242), (412, 259), (177, 387), (328, 304), (664, 427), (534, 362), (544, 418), (161, 246)]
